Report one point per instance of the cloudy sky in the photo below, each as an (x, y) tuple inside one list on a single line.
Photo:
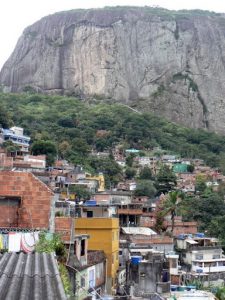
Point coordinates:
[(15, 15)]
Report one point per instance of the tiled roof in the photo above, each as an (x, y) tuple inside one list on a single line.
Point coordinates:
[(30, 276)]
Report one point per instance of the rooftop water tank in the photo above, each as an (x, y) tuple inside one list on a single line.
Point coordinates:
[(200, 234), (135, 260)]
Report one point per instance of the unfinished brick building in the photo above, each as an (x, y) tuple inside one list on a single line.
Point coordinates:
[(25, 201)]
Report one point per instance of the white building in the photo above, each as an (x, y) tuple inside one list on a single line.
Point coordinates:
[(202, 254)]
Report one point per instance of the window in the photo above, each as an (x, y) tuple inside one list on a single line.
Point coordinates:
[(199, 256), (91, 278), (173, 263), (82, 250), (82, 282), (89, 214), (216, 256), (75, 247)]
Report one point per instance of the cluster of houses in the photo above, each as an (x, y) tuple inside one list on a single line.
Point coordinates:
[(113, 248)]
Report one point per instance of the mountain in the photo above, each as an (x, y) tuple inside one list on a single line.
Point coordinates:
[(168, 62)]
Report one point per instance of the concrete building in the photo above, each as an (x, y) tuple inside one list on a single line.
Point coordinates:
[(148, 274), (114, 197), (202, 255), (96, 211), (104, 235), (15, 134)]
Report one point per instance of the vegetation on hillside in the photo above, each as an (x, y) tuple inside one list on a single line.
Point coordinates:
[(69, 128)]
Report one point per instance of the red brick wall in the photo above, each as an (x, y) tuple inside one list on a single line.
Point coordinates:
[(35, 198), (100, 197), (63, 227), (9, 216)]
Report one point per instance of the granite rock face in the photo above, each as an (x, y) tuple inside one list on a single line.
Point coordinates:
[(168, 62)]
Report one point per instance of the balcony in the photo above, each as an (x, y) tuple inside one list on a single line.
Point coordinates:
[(199, 248), (209, 269)]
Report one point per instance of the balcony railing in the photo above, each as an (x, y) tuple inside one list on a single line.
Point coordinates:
[(196, 248)]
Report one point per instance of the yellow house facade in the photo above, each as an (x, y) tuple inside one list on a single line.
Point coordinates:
[(104, 235)]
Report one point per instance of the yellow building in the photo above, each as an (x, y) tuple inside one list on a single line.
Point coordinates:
[(101, 181), (104, 235)]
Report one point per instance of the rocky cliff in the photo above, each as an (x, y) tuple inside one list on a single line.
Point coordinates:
[(172, 63)]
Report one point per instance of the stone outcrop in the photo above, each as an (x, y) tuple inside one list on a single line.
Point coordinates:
[(172, 63)]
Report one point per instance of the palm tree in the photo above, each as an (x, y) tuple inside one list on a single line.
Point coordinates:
[(171, 204)]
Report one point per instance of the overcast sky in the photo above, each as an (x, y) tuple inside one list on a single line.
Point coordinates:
[(15, 15)]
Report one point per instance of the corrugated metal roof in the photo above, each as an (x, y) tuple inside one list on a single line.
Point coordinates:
[(189, 241), (138, 230), (33, 276)]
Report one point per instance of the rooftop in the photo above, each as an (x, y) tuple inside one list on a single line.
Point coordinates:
[(30, 276)]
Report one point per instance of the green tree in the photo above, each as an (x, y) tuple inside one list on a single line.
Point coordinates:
[(200, 183), (165, 180), (64, 149), (130, 160), (145, 188), (81, 192), (220, 294), (52, 243), (190, 168), (203, 208), (130, 173), (111, 170), (101, 144), (45, 147), (5, 119), (80, 146), (211, 205), (216, 228), (173, 200), (10, 147), (145, 173)]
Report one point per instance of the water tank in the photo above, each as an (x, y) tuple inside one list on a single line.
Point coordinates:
[(135, 260), (199, 270), (90, 203), (191, 287), (173, 288), (181, 236), (200, 234)]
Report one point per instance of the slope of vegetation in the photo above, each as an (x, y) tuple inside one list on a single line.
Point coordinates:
[(69, 128), (75, 128)]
